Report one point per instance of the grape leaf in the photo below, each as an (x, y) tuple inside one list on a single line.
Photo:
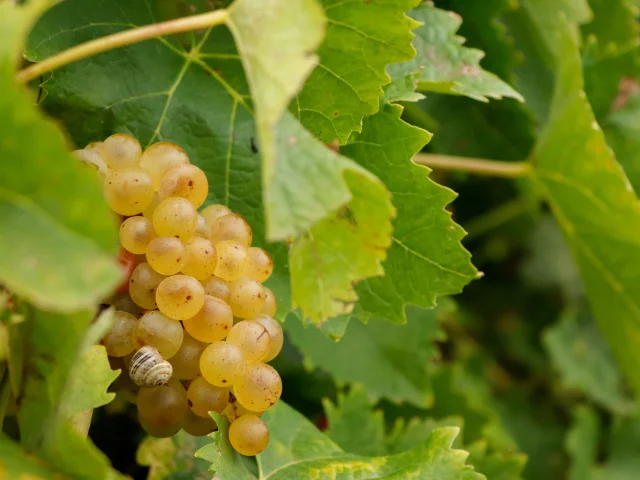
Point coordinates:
[(15, 463), (90, 378), (623, 461), (347, 83), (298, 450), (585, 362), (173, 458), (496, 465), (613, 24), (581, 442), (443, 64), (622, 130), (426, 259), (44, 189), (391, 361), (596, 208)]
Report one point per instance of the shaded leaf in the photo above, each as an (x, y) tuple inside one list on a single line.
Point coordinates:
[(347, 84), (623, 461), (581, 442), (15, 463), (622, 130), (614, 23), (173, 458), (496, 466), (443, 64)]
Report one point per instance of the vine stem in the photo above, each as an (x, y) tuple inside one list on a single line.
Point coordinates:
[(478, 166), (120, 39)]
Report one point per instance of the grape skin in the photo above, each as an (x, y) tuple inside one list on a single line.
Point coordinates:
[(175, 217), (275, 332), (121, 151), (200, 258), (185, 181), (232, 260), (221, 364), (252, 338), (198, 426), (118, 341), (216, 287), (160, 158), (165, 405), (159, 331), (247, 297), (94, 160), (143, 284), (260, 264), (129, 191), (249, 435), (270, 303), (166, 255), (230, 227), (259, 387), (186, 361), (135, 234), (212, 323), (204, 397), (160, 431), (180, 297), (212, 212)]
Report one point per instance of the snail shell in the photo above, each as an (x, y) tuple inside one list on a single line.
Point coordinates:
[(149, 369)]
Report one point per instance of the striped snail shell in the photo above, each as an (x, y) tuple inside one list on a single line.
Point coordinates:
[(149, 369)]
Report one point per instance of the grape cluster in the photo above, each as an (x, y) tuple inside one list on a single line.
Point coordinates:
[(194, 325)]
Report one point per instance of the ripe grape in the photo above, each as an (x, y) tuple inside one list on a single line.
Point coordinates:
[(252, 338), (165, 405), (204, 397), (94, 146), (235, 409), (186, 362), (212, 322), (247, 297), (232, 260), (129, 191), (185, 181), (216, 287), (212, 212), (121, 151), (221, 364), (180, 297), (158, 331), (259, 387), (200, 258), (249, 435), (128, 262), (143, 284), (275, 332), (93, 159), (230, 227), (270, 303), (148, 212), (135, 234), (166, 255), (260, 264), (161, 431), (175, 217), (118, 341), (202, 228), (122, 301), (198, 426), (160, 158)]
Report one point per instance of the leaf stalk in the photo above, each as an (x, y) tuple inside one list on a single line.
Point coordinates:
[(479, 166)]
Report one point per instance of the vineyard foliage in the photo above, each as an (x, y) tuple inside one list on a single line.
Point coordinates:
[(448, 192)]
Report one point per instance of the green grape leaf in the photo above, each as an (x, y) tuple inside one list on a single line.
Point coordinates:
[(44, 189), (90, 378), (16, 463), (347, 83), (298, 450), (426, 258), (496, 466), (391, 361), (596, 208), (623, 461), (581, 442), (173, 458), (613, 24), (443, 64), (622, 130), (585, 361)]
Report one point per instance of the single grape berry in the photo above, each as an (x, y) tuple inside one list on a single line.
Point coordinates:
[(230, 227), (129, 191), (270, 303), (212, 323), (252, 338), (216, 287), (186, 181), (186, 361), (259, 387), (118, 341), (249, 435), (221, 364), (136, 233), (275, 332), (204, 397), (198, 426), (260, 264), (214, 211), (180, 297), (200, 258), (143, 284), (121, 151), (158, 331), (166, 255), (175, 217), (161, 157), (165, 405), (247, 297), (232, 260)]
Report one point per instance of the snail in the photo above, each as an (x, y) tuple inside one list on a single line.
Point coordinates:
[(149, 369)]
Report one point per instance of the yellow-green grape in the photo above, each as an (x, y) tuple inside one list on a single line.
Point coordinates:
[(148, 212), (247, 297), (136, 233), (202, 228), (175, 217), (235, 410), (94, 146), (211, 212), (249, 435), (253, 339), (165, 405), (180, 297), (122, 301), (212, 322), (275, 332), (259, 387), (204, 397), (230, 227), (129, 191), (161, 431), (200, 258), (221, 364), (186, 362), (93, 159), (216, 287), (158, 331), (121, 151), (118, 341), (143, 284), (270, 303), (185, 181), (232, 260), (166, 255), (198, 426), (260, 264), (161, 157)]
